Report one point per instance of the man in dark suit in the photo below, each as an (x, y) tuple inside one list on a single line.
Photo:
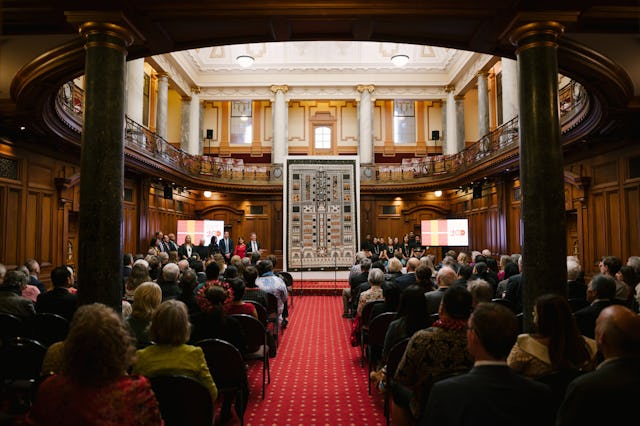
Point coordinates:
[(615, 383), (405, 280), (11, 300), (445, 278), (601, 292), (253, 245), (226, 247), (59, 301), (491, 393), (514, 289)]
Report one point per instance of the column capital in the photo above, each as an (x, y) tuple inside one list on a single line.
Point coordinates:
[(162, 74), (195, 90), (449, 88), (536, 34), (279, 88), (483, 74), (111, 24), (368, 87)]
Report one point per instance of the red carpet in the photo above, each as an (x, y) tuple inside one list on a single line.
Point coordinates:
[(319, 288), (316, 377)]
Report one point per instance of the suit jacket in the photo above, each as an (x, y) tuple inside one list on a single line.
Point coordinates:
[(250, 247), (405, 280), (514, 291), (433, 299), (36, 282), (58, 301), (182, 252), (224, 249), (13, 304), (614, 385), (586, 317), (489, 395)]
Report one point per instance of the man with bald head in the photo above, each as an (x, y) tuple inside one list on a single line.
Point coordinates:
[(608, 394), (445, 278)]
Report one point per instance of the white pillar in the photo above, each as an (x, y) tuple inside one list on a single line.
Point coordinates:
[(280, 116), (483, 104), (509, 89), (184, 123), (443, 133), (163, 100), (193, 147), (451, 141), (135, 89), (365, 117), (460, 137)]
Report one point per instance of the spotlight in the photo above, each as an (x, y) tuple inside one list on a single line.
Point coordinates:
[(438, 193), (207, 194)]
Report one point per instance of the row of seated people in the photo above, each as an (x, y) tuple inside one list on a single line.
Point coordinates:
[(532, 355)]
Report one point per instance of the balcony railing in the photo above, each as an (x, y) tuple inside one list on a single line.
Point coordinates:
[(144, 142)]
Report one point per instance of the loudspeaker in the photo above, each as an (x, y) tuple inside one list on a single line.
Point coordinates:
[(209, 134), (435, 135), (168, 192), (477, 191)]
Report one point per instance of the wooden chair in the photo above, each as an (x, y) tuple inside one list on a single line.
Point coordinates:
[(48, 328), (228, 370), (272, 315), (364, 328), (377, 332), (183, 400), (260, 310), (288, 280), (506, 303), (558, 382), (257, 348), (393, 360), (20, 364)]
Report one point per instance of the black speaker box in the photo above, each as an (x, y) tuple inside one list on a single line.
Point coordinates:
[(435, 135), (209, 134), (168, 192), (477, 191)]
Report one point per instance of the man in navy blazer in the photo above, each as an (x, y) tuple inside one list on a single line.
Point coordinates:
[(59, 300), (408, 279), (601, 292), (614, 385), (491, 393), (226, 246)]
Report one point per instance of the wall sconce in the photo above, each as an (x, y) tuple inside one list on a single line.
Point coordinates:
[(438, 193), (207, 194)]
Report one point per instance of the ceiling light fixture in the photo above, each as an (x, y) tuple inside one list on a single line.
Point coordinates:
[(400, 60), (207, 194), (438, 193), (245, 61)]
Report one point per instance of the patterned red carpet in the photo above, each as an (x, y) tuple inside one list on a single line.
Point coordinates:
[(316, 377), (319, 288)]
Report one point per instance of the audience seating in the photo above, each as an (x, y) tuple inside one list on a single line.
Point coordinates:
[(377, 332), (577, 304), (20, 364), (506, 303), (257, 348), (183, 400), (364, 326), (392, 361), (48, 328), (558, 382), (288, 280), (10, 326), (260, 310), (228, 370), (272, 315)]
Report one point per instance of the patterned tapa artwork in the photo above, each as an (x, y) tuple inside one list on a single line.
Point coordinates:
[(322, 213)]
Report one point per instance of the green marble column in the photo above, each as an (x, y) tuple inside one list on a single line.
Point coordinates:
[(102, 164), (541, 166)]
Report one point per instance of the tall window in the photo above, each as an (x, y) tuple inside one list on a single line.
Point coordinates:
[(146, 90), (404, 121), (323, 137), (241, 122)]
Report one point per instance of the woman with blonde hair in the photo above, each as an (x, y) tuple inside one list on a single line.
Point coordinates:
[(170, 330), (92, 384), (139, 274), (148, 297)]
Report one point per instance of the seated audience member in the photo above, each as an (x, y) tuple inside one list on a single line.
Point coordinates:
[(29, 291), (183, 265), (408, 279), (139, 274), (376, 278), (33, 267), (464, 274), (607, 395), (513, 292), (11, 300), (354, 282), (92, 386), (555, 345), (58, 300), (610, 265), (170, 331), (504, 259), (491, 393), (169, 283), (634, 262), (627, 276), (576, 289), (271, 283), (480, 290), (437, 350), (510, 269), (251, 291), (410, 319), (481, 271), (148, 297), (424, 278), (394, 270), (198, 268), (188, 284), (230, 273), (391, 296), (462, 259), (255, 257), (237, 305), (444, 279), (601, 292)]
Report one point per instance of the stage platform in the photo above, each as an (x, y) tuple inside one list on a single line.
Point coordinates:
[(318, 283)]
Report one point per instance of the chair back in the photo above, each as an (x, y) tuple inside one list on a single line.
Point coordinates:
[(49, 328), (395, 355), (272, 304), (366, 312), (21, 359), (287, 278), (506, 303), (378, 328), (183, 400), (558, 382), (260, 310), (10, 326), (225, 363), (254, 332)]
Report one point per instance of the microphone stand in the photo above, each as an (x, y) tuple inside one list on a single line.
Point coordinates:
[(335, 269), (301, 266)]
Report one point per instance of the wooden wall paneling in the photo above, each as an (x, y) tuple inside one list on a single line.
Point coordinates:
[(615, 222), (31, 238), (13, 226), (598, 230), (48, 231), (630, 234)]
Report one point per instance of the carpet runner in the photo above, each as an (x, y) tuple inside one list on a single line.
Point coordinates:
[(316, 377)]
